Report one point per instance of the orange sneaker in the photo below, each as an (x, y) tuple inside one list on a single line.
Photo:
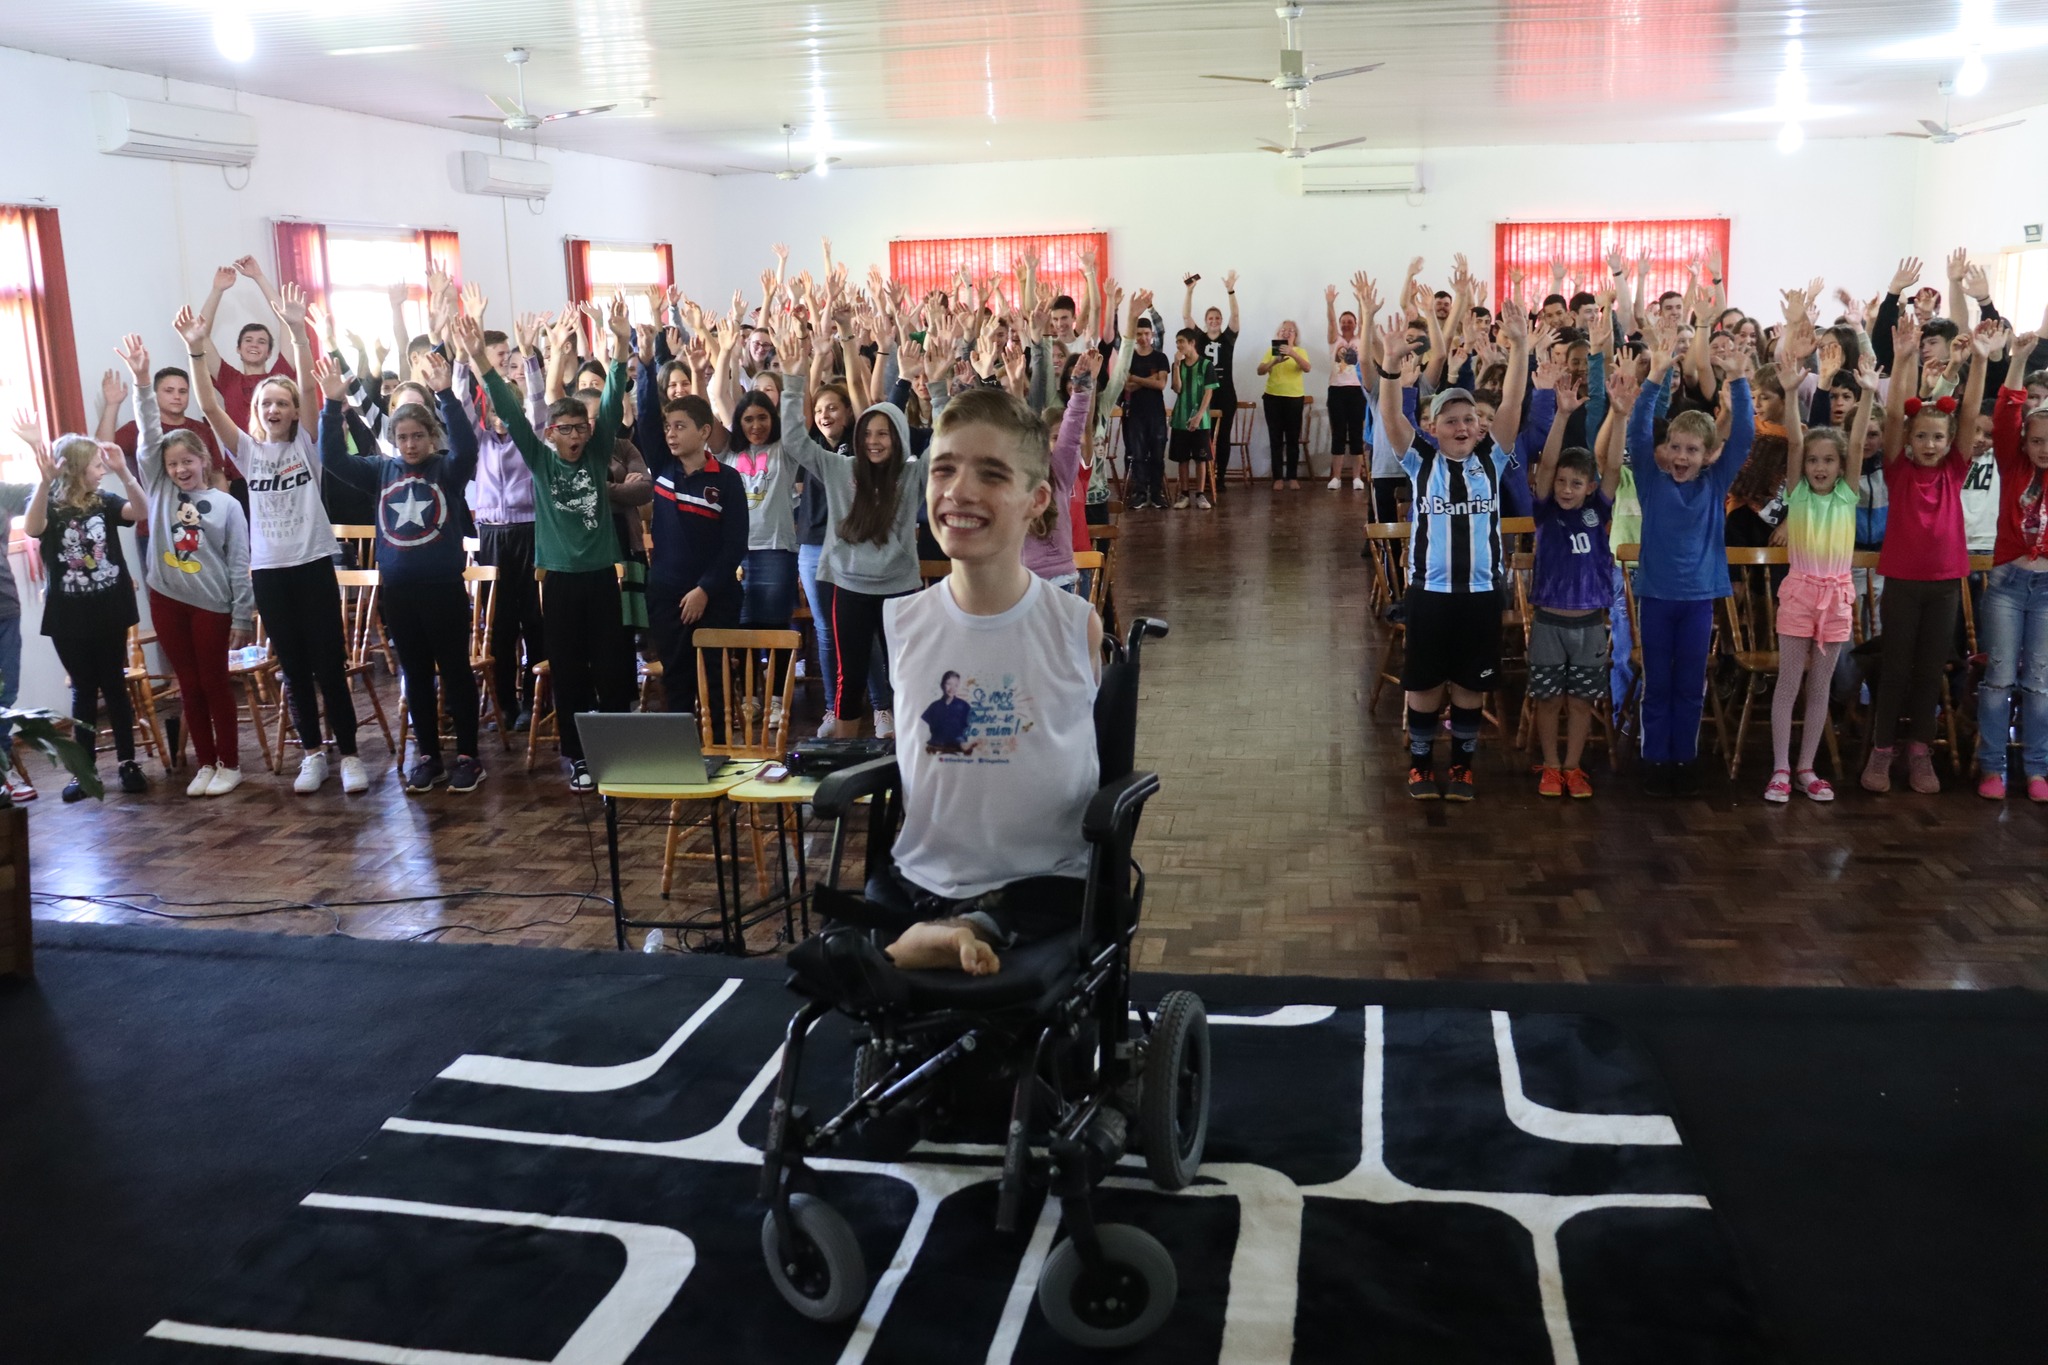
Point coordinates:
[(1551, 783), (1577, 783)]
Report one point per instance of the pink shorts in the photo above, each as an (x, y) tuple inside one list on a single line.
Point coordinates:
[(1814, 608)]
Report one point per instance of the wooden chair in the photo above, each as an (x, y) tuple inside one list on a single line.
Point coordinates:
[(542, 728), (1522, 580), (1241, 423), (931, 571), (481, 583), (1102, 588), (1386, 547), (262, 689), (1750, 621), (1517, 535), (743, 663), (1629, 557), (145, 690), (359, 546), (361, 636)]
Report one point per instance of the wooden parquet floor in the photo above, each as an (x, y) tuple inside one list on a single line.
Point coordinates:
[(1282, 842)]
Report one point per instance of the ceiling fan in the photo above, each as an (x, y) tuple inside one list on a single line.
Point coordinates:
[(790, 170), (513, 114), (1942, 134), (1294, 151), (1293, 69)]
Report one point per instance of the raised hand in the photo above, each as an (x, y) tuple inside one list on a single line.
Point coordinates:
[(291, 305), (134, 355), (1617, 263), (1906, 337), (1330, 295), (1906, 276), (28, 428), (1087, 364), (469, 336), (1368, 297), (1514, 323), (247, 266), (400, 294), (1976, 283), (192, 328), (526, 332), (1229, 281), (474, 300), (112, 389), (116, 458), (1570, 398), (1958, 264), (332, 385), (2022, 350), (1989, 337), (435, 370), (224, 278), (1393, 343)]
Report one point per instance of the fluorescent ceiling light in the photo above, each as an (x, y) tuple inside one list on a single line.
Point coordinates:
[(1973, 76), (233, 35), (1959, 43), (372, 51)]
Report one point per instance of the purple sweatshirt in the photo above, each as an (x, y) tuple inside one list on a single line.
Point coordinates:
[(1052, 556), (503, 490)]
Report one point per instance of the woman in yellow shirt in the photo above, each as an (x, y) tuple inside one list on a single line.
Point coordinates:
[(1285, 365)]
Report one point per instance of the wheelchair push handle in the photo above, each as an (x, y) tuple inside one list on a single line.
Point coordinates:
[(1140, 628)]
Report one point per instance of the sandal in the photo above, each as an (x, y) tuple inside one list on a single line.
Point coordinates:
[(1780, 789), (1811, 786)]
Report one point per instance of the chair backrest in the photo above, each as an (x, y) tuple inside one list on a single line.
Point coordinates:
[(1241, 424), (744, 664), (1386, 545), (359, 543), (359, 588), (932, 570), (481, 582), (1751, 608), (1630, 558), (1522, 575), (1517, 533), (1087, 560)]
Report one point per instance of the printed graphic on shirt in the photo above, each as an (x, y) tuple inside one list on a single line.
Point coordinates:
[(971, 723), (574, 490), (412, 512), (703, 501), (757, 472), (83, 553), (278, 475), (2033, 515), (183, 555)]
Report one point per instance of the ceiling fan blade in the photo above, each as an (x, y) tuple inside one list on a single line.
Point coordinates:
[(477, 118), (1248, 80), (824, 161), (1346, 71), (1922, 136), (1933, 129), (504, 105), (577, 113), (1993, 128), (1328, 146)]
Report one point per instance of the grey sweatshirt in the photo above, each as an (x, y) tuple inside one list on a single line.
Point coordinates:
[(877, 570), (198, 542)]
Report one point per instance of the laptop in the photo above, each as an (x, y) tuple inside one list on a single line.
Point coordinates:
[(645, 748)]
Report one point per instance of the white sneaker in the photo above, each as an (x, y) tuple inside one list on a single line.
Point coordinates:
[(1358, 485), (224, 781), (829, 727), (355, 779), (1335, 483), (201, 780), (312, 772), (775, 713), (885, 725)]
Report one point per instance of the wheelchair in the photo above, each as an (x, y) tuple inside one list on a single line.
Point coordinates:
[(1051, 1041)]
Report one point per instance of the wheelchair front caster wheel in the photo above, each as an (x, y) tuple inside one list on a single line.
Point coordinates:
[(823, 1276), (1173, 1105), (1121, 1301)]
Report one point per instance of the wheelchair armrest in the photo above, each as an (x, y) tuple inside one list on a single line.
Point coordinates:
[(1115, 807), (837, 793)]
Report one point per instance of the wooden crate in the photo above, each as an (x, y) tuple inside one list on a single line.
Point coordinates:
[(16, 958)]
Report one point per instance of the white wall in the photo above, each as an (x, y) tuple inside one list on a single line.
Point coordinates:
[(1978, 194), (143, 237)]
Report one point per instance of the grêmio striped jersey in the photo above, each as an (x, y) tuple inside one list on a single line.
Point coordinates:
[(1456, 545)]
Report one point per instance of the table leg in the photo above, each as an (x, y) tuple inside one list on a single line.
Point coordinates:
[(611, 843)]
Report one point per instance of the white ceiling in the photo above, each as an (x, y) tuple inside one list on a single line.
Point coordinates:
[(899, 82)]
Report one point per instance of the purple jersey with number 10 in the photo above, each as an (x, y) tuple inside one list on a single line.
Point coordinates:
[(1574, 568)]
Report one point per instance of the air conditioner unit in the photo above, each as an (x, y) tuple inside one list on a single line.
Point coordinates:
[(511, 177), (172, 132), (1319, 177)]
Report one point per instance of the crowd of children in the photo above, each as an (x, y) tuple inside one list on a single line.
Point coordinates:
[(634, 484)]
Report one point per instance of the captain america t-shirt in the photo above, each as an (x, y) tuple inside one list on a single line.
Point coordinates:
[(1574, 566)]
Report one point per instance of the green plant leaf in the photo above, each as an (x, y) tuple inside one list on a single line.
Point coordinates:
[(38, 728)]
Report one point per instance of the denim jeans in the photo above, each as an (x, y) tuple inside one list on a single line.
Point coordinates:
[(2013, 629), (768, 591), (10, 671), (807, 557)]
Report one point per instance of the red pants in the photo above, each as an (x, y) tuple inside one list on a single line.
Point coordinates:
[(196, 642)]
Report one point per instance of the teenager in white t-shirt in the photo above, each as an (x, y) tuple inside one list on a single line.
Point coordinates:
[(995, 672)]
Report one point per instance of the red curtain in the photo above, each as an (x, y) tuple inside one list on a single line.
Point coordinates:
[(666, 254), (922, 265), (302, 260), (443, 250), (1672, 244), (38, 353)]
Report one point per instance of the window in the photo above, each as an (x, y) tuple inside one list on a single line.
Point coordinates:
[(598, 270), (350, 270), (923, 265), (2023, 285), (38, 358), (1672, 244)]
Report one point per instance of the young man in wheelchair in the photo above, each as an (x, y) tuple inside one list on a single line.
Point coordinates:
[(1001, 669)]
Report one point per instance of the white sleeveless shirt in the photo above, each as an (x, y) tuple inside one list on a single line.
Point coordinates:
[(995, 738)]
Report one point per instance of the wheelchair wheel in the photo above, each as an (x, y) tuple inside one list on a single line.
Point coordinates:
[(1173, 1107), (1121, 1302), (824, 1276)]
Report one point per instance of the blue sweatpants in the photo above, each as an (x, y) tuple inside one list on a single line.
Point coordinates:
[(1675, 640)]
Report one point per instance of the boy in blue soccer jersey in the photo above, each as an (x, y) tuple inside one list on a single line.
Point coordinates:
[(1455, 567)]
